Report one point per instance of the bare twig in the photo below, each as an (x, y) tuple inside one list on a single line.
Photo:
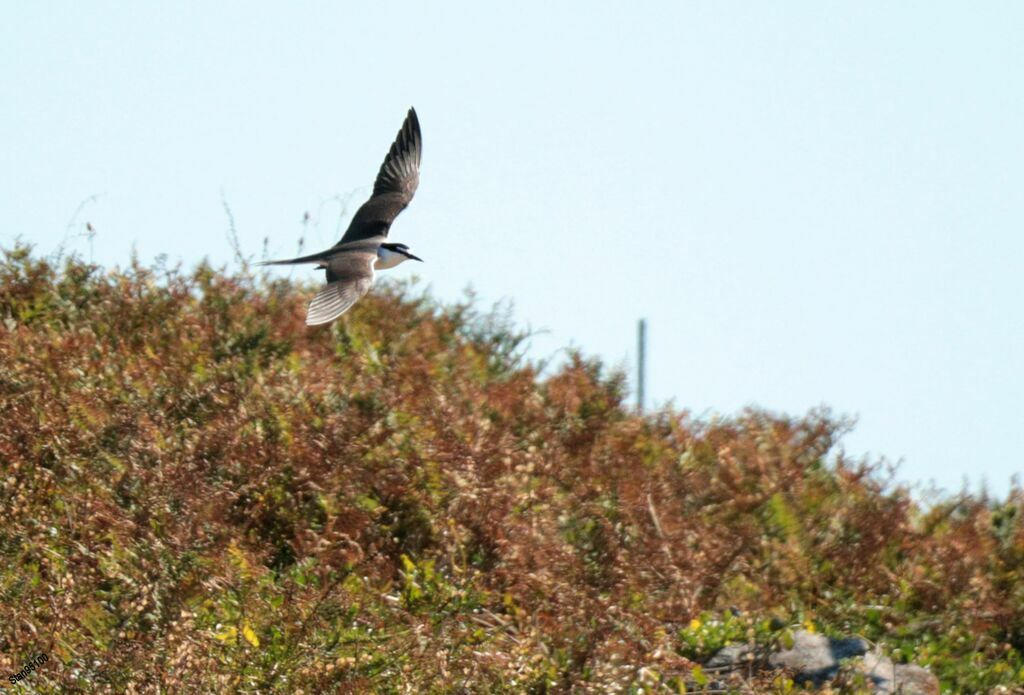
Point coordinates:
[(236, 245), (89, 232)]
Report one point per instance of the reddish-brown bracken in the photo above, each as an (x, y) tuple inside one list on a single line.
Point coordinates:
[(199, 494)]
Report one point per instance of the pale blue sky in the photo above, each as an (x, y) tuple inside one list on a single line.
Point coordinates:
[(810, 202)]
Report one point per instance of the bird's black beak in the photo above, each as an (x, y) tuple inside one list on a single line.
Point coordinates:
[(415, 258)]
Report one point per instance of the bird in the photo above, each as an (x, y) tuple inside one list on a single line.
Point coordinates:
[(363, 248)]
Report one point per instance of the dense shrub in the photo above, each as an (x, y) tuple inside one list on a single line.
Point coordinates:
[(200, 494)]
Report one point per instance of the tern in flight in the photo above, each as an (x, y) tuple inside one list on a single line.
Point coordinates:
[(364, 246)]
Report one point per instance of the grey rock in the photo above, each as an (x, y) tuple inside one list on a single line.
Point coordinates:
[(729, 657), (906, 679), (816, 658)]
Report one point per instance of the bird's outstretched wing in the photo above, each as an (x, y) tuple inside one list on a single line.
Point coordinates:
[(395, 186), (349, 277), (322, 258)]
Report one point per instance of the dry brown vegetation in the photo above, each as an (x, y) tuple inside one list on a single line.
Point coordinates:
[(200, 494)]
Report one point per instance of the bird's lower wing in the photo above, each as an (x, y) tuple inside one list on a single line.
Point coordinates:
[(335, 298)]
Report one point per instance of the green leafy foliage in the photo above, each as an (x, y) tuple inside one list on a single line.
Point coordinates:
[(200, 494)]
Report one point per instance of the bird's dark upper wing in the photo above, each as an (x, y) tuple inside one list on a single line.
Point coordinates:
[(400, 172), (395, 186)]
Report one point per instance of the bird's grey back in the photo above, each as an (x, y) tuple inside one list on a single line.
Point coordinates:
[(353, 259)]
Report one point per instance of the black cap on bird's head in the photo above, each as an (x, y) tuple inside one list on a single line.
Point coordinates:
[(402, 249)]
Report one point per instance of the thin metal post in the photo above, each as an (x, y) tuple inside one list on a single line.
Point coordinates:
[(641, 362)]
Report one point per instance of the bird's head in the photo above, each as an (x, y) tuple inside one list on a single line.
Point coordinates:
[(389, 255)]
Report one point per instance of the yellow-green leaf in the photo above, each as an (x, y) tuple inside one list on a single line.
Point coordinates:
[(249, 635), (227, 634)]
